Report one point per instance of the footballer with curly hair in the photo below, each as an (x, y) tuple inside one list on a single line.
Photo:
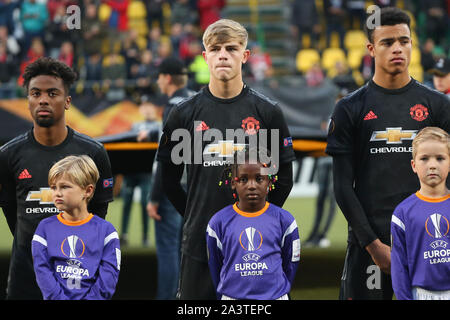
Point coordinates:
[(25, 162)]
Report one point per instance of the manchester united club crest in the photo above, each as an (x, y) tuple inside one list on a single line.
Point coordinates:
[(419, 112), (250, 125)]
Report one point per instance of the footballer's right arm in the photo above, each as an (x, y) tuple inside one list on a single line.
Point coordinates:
[(171, 184), (8, 201), (346, 198)]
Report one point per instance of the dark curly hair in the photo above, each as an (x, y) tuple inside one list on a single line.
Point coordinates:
[(49, 67)]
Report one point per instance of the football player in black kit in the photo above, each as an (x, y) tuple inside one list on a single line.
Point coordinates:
[(25, 161), (226, 103), (370, 136)]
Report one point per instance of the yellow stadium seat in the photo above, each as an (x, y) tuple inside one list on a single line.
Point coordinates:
[(142, 42), (415, 56), (416, 71), (332, 55), (354, 57), (306, 58), (139, 25), (355, 39), (415, 40), (136, 10), (412, 23), (104, 12), (358, 77)]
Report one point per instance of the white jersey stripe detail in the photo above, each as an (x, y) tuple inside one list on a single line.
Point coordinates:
[(398, 222), (40, 240), (288, 231), (213, 234), (113, 235)]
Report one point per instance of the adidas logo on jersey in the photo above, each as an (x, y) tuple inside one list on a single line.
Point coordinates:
[(202, 127), (370, 116), (24, 175)]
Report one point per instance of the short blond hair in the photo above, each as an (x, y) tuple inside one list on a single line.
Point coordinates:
[(430, 133), (81, 170), (225, 30)]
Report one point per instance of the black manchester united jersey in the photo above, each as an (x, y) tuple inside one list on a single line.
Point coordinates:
[(24, 167), (210, 123), (377, 126)]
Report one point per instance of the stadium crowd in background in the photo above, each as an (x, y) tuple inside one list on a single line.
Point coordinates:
[(125, 40)]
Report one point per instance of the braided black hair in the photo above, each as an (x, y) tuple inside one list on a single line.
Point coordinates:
[(243, 156)]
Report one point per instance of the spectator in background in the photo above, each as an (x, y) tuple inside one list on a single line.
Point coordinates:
[(357, 12), (145, 75), (344, 77), (66, 54), (164, 51), (181, 12), (118, 18), (35, 51), (367, 67), (130, 50), (155, 16), (441, 76), (198, 69), (141, 180), (92, 71), (53, 6), (188, 37), (335, 15), (427, 60), (93, 33), (172, 80), (436, 25), (259, 63), (314, 76), (154, 40), (7, 72), (57, 31), (7, 8), (114, 74), (34, 18), (176, 34), (209, 12), (305, 20), (10, 42)]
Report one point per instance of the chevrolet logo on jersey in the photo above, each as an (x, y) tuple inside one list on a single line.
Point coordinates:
[(393, 135), (225, 148), (44, 196)]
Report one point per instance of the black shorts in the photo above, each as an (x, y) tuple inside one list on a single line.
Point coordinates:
[(22, 283), (195, 280), (361, 278)]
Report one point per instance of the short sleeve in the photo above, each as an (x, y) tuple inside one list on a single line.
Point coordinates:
[(340, 131)]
